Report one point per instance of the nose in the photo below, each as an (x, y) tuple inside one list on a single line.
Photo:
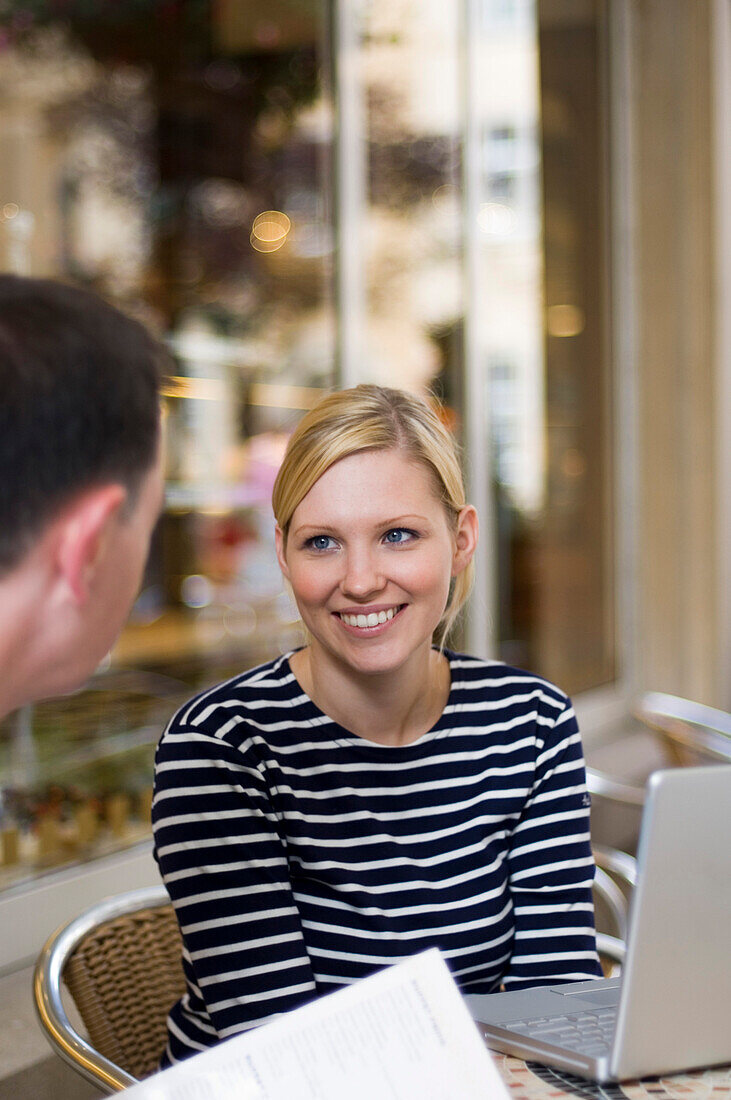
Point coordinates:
[(362, 576)]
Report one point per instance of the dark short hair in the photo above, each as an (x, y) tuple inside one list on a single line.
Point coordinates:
[(79, 403)]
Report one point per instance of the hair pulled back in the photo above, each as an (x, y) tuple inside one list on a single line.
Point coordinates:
[(374, 418)]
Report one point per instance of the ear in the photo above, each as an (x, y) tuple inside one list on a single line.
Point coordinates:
[(82, 533), (279, 546), (465, 542)]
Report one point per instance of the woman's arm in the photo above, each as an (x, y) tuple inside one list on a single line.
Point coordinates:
[(551, 867), (223, 861)]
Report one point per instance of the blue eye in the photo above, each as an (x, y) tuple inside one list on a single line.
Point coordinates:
[(320, 542), (399, 535)]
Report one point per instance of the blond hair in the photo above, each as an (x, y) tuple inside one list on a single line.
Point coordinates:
[(374, 418)]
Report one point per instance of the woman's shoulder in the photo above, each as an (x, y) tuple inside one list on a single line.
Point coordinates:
[(265, 686), (496, 679), (510, 700)]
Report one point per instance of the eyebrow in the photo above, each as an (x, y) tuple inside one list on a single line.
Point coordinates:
[(328, 529)]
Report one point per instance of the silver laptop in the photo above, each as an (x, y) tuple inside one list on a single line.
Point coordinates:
[(671, 1008)]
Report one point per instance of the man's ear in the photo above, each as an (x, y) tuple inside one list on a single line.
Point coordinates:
[(279, 546), (81, 535)]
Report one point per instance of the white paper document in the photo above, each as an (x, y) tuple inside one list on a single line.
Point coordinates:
[(402, 1034)]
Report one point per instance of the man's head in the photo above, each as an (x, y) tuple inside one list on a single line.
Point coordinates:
[(80, 480), (79, 404)]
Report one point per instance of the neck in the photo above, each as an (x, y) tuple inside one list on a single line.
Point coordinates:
[(390, 708), (29, 656)]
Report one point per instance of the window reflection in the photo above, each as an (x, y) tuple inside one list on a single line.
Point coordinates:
[(176, 157), (413, 218), (179, 158), (543, 229)]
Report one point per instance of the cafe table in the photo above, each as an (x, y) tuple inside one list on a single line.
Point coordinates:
[(532, 1081)]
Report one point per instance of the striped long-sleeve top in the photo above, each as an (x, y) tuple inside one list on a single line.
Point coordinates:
[(300, 857)]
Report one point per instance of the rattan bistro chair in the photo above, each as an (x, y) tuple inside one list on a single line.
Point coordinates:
[(120, 961)]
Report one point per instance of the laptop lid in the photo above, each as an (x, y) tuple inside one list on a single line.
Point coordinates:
[(675, 1002), (675, 992)]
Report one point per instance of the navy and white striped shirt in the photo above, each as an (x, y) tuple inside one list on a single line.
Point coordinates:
[(301, 857)]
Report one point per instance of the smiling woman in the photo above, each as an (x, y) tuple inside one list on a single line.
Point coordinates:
[(371, 572), (371, 794)]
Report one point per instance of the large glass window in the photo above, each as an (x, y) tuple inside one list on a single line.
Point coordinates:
[(280, 189), (176, 157)]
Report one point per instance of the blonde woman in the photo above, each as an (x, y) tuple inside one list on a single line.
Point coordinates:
[(373, 793)]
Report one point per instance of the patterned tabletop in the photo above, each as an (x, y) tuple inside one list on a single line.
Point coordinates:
[(531, 1081)]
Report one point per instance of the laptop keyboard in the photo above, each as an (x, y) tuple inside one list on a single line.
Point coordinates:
[(588, 1032)]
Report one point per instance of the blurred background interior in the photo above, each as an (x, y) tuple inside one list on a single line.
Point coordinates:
[(523, 206)]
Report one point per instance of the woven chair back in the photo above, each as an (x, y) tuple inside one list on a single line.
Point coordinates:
[(124, 978)]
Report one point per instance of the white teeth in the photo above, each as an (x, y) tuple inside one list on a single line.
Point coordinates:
[(372, 619)]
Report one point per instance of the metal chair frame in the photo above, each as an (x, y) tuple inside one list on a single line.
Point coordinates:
[(620, 865), (613, 865), (614, 900), (611, 947), (688, 726), (48, 977)]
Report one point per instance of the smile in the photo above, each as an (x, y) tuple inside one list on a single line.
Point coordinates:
[(373, 618)]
